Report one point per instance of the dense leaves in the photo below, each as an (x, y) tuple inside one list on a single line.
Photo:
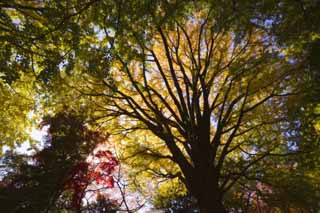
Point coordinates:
[(213, 99)]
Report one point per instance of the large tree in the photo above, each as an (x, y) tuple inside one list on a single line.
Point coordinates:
[(212, 94)]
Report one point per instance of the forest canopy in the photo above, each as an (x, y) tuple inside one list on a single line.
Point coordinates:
[(187, 105)]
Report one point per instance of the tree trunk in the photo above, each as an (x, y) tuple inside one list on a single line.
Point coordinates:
[(210, 205), (205, 189)]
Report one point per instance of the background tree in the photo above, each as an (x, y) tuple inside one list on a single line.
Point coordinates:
[(57, 176)]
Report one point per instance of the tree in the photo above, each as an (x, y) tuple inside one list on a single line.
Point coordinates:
[(57, 177), (212, 95)]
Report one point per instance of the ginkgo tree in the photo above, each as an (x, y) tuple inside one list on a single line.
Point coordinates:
[(214, 97)]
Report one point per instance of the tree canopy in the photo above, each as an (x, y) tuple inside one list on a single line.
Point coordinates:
[(211, 103)]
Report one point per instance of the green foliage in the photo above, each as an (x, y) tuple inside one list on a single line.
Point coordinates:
[(17, 101)]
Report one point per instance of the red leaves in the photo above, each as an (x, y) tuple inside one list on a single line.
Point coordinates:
[(109, 181), (99, 179), (107, 155), (102, 154), (98, 171), (105, 166), (78, 183)]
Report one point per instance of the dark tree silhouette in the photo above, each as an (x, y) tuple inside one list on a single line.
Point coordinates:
[(58, 175)]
